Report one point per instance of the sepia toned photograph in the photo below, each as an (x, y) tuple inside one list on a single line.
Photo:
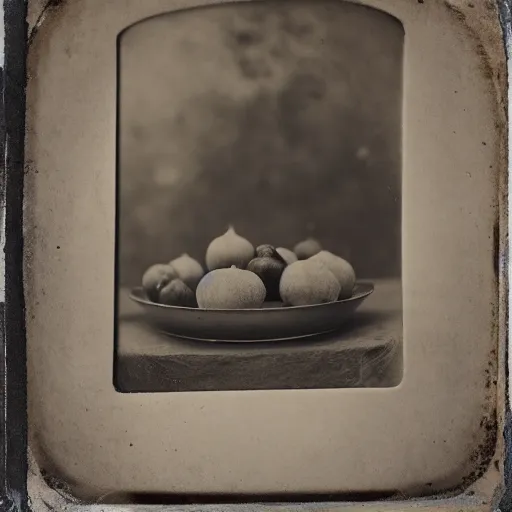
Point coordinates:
[(251, 235), (259, 202)]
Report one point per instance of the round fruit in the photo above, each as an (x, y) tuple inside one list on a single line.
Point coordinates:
[(230, 288), (155, 278), (188, 269), (228, 250), (269, 270), (177, 293), (287, 255), (307, 248), (306, 283), (341, 268)]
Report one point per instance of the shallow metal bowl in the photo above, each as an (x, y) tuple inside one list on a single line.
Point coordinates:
[(271, 322)]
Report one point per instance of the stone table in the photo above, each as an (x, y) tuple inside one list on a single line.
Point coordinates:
[(367, 352)]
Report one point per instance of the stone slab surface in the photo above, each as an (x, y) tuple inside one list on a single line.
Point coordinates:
[(367, 352)]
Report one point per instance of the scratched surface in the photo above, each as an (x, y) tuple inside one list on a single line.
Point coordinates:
[(466, 507)]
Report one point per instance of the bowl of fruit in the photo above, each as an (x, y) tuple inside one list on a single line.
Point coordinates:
[(248, 294)]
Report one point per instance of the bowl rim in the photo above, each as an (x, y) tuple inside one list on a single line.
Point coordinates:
[(368, 289)]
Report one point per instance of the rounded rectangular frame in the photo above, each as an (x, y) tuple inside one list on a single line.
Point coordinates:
[(482, 160)]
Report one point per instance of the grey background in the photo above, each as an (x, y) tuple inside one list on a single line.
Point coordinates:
[(283, 120)]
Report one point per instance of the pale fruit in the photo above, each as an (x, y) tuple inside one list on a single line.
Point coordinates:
[(305, 283), (177, 293), (155, 278), (188, 269), (228, 250), (307, 248), (230, 288), (287, 255), (341, 268)]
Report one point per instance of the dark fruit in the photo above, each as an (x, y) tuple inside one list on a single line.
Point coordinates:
[(269, 270), (177, 293), (268, 251)]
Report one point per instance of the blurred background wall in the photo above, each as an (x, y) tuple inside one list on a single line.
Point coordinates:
[(283, 119)]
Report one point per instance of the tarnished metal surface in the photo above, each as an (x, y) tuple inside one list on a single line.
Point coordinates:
[(477, 497)]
